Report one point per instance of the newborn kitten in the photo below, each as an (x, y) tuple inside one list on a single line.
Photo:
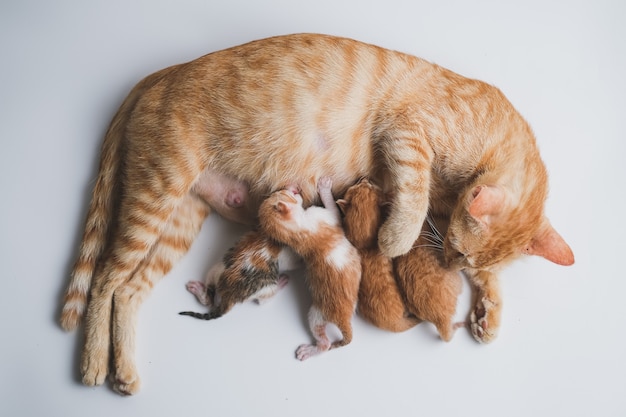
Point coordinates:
[(380, 300), (253, 269), (333, 264), (430, 287)]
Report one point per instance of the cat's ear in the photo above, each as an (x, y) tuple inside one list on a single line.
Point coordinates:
[(342, 204), (486, 202), (282, 207), (548, 244)]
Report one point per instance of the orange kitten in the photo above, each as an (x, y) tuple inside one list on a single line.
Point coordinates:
[(333, 264), (430, 287), (380, 300), (253, 269), (254, 117)]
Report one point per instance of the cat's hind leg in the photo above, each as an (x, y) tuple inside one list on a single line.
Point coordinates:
[(265, 293), (141, 222), (178, 235), (318, 325)]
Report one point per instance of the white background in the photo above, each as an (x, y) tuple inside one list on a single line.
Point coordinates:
[(66, 66)]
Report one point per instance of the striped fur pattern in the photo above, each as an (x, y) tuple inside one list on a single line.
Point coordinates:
[(290, 110), (333, 264), (254, 269)]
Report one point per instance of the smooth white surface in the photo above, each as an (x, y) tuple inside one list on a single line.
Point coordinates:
[(65, 68)]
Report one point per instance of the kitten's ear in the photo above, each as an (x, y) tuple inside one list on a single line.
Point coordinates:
[(282, 207), (548, 244), (342, 204), (486, 201)]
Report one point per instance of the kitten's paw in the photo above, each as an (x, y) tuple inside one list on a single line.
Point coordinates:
[(304, 352), (395, 239), (484, 321), (324, 183), (283, 280), (195, 287)]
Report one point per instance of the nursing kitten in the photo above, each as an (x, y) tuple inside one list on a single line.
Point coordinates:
[(293, 109), (253, 269), (332, 263), (430, 287), (380, 300)]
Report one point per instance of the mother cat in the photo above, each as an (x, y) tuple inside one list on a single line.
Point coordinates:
[(227, 129)]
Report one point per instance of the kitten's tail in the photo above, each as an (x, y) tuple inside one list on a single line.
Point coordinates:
[(203, 316), (101, 211)]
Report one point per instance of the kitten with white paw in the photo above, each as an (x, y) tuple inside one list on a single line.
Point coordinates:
[(333, 264)]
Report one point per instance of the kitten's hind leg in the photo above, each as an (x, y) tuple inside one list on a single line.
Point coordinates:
[(318, 325), (263, 295), (199, 289), (179, 233)]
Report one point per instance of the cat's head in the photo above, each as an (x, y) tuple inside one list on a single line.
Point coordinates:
[(490, 228), (282, 205), (362, 210)]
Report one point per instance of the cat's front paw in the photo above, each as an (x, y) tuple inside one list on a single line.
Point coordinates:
[(396, 239), (485, 321)]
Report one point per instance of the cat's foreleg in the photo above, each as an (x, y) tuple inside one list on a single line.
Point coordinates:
[(486, 313), (408, 162)]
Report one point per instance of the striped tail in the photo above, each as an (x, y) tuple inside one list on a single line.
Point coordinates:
[(100, 214)]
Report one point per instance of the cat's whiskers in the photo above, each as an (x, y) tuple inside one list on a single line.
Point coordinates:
[(434, 229), (434, 238)]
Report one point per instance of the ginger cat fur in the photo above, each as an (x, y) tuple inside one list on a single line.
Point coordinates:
[(429, 285), (296, 108), (380, 300)]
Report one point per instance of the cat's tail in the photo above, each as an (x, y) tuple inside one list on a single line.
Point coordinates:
[(101, 211), (203, 316)]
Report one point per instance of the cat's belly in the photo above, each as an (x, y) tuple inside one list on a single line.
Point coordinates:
[(277, 164)]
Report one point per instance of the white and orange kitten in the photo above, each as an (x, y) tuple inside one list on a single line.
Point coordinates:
[(333, 265)]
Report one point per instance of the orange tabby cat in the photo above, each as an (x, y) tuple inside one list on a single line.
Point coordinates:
[(296, 108), (380, 300)]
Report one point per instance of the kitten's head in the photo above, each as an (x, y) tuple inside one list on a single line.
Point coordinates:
[(490, 228), (281, 207), (362, 210)]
